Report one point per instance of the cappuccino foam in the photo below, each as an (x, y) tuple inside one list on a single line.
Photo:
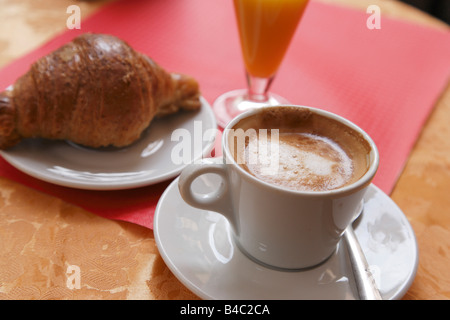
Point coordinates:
[(300, 150)]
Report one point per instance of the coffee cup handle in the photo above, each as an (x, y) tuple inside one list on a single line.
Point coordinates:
[(218, 200)]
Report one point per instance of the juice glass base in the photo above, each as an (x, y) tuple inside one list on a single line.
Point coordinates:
[(230, 104)]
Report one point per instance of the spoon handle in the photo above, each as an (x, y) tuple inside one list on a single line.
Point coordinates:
[(365, 282)]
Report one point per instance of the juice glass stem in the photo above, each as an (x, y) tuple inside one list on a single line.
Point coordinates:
[(258, 88), (257, 95)]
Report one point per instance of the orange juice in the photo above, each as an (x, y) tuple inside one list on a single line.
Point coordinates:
[(266, 28)]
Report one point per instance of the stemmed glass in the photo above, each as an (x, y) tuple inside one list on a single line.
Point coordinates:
[(266, 28)]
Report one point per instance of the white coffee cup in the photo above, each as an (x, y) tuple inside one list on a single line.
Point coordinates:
[(276, 226)]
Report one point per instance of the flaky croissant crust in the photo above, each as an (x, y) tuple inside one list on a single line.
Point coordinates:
[(95, 91)]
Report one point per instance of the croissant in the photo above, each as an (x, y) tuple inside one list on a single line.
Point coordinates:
[(95, 91)]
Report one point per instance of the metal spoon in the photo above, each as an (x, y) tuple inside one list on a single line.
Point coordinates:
[(365, 283)]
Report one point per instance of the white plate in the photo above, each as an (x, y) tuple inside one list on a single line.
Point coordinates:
[(199, 249), (155, 157)]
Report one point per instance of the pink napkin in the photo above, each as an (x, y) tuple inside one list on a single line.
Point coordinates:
[(385, 80)]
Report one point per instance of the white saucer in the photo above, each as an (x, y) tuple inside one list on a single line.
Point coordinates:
[(198, 248), (147, 161)]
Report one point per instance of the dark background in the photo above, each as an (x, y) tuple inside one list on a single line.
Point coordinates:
[(438, 8)]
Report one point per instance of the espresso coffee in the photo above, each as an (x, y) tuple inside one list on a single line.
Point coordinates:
[(298, 149)]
